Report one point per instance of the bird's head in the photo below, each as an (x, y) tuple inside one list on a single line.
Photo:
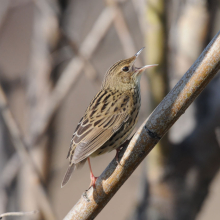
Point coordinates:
[(123, 75)]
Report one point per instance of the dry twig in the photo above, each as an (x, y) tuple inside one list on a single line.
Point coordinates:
[(151, 131), (17, 213)]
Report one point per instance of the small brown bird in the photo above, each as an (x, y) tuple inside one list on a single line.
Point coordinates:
[(110, 117)]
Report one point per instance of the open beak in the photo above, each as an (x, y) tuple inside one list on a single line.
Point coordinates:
[(141, 69), (138, 71)]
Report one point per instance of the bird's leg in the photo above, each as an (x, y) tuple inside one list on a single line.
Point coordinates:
[(92, 177)]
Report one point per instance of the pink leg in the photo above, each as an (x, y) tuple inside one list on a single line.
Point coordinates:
[(92, 177)]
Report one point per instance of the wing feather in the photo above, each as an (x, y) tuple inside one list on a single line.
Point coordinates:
[(93, 131), (95, 139)]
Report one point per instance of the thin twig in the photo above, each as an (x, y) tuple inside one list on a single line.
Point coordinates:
[(151, 131), (17, 213)]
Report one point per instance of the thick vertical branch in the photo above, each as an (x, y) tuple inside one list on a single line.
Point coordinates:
[(155, 39)]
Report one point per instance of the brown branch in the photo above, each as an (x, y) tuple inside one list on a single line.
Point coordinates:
[(151, 131)]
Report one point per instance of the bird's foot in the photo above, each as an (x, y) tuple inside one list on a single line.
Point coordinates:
[(93, 180)]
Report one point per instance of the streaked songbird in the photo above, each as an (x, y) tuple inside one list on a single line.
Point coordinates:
[(110, 117)]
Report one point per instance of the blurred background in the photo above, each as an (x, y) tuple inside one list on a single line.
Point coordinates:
[(53, 56)]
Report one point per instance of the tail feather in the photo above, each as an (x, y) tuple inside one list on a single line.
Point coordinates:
[(68, 174)]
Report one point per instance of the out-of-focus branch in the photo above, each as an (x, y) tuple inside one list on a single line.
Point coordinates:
[(44, 36), (72, 72), (17, 214), (139, 6), (9, 173), (14, 130), (122, 30), (90, 70), (69, 77), (157, 124), (155, 38), (22, 151)]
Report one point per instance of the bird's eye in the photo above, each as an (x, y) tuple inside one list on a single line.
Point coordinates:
[(125, 69)]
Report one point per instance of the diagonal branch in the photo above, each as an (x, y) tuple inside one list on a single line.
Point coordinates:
[(151, 131)]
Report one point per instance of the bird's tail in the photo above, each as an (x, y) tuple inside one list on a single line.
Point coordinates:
[(68, 174)]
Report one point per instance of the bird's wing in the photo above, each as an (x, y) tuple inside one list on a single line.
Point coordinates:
[(96, 129)]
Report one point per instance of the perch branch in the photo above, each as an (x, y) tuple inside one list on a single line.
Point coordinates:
[(151, 131)]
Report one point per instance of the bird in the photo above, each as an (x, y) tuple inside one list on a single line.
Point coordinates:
[(110, 118)]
